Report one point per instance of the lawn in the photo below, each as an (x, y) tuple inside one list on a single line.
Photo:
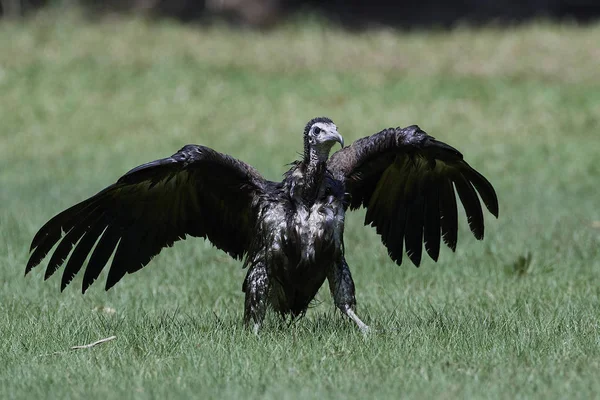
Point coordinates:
[(514, 316)]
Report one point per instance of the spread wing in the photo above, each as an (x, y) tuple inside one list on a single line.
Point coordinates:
[(197, 192), (407, 180)]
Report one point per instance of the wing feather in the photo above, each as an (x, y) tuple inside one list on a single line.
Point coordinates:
[(102, 252), (197, 192), (484, 188), (448, 214), (406, 180), (66, 245), (124, 260), (414, 229), (81, 252), (432, 223), (471, 204)]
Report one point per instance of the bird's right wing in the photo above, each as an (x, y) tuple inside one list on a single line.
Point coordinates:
[(197, 192)]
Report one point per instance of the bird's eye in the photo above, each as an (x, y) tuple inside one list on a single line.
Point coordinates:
[(317, 130)]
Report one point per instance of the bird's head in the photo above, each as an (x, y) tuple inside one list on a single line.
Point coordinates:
[(320, 135)]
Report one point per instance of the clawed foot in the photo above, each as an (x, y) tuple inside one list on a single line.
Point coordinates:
[(364, 328)]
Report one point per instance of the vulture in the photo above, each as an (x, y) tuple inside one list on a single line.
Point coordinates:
[(289, 234)]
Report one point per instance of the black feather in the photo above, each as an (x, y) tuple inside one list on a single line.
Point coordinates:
[(397, 240), (484, 188), (448, 214), (471, 204), (413, 236), (52, 230), (66, 244), (81, 252), (104, 249), (431, 226), (41, 251), (124, 260)]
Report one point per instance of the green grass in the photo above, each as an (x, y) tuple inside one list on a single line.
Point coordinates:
[(516, 315)]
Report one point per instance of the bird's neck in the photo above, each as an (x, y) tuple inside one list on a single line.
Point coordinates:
[(315, 169), (314, 174), (316, 155), (308, 177)]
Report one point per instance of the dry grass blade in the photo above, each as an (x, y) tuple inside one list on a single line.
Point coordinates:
[(97, 342)]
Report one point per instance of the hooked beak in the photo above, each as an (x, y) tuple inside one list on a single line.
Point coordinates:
[(334, 136)]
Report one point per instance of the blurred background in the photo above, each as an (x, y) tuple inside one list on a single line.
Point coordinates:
[(351, 13)]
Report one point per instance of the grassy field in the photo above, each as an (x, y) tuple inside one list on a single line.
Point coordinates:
[(514, 316)]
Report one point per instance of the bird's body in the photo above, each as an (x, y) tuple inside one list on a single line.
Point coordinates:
[(290, 233), (303, 230)]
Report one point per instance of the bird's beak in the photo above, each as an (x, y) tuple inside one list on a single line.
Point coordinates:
[(334, 136), (340, 140)]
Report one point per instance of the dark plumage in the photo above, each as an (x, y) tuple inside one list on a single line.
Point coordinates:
[(291, 232)]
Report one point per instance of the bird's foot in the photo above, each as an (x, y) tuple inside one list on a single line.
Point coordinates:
[(364, 328)]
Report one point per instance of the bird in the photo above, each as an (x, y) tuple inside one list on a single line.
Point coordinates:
[(289, 235)]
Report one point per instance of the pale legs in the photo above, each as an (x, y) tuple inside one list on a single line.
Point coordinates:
[(341, 286)]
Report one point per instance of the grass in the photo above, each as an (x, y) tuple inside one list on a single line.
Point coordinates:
[(513, 316)]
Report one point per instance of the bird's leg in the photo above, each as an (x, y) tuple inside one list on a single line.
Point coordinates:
[(256, 286), (341, 286)]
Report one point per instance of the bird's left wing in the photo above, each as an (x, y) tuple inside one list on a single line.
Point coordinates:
[(197, 192), (406, 180)]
